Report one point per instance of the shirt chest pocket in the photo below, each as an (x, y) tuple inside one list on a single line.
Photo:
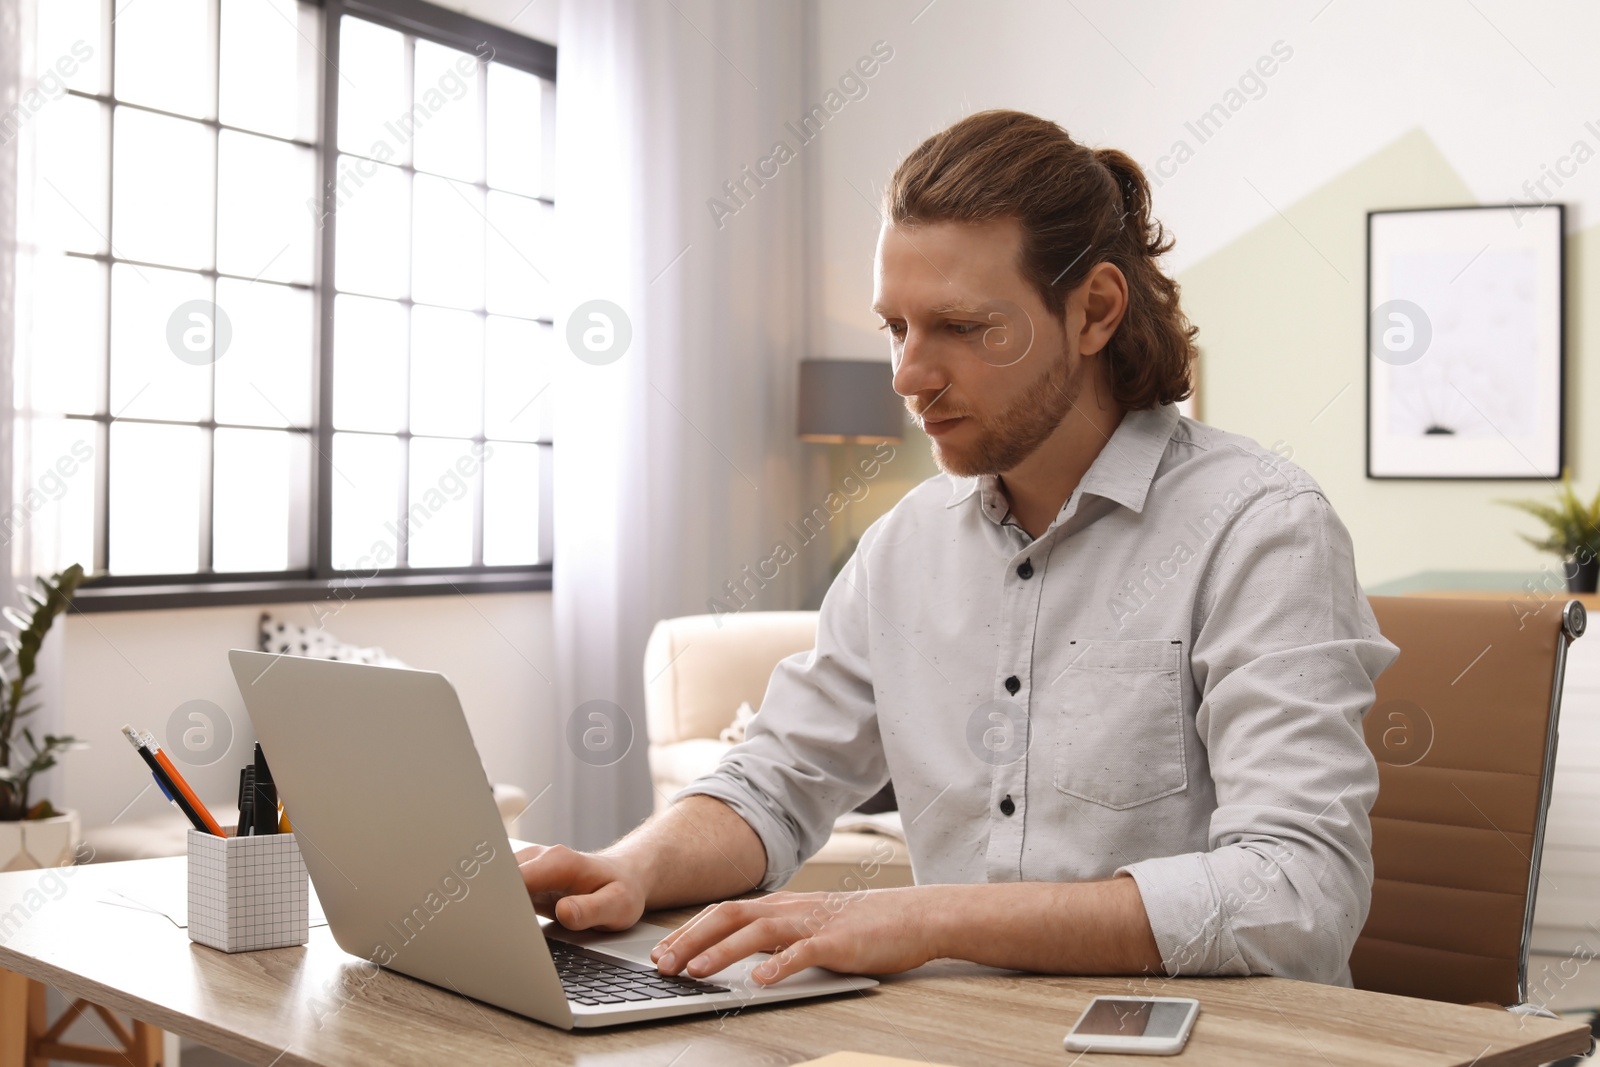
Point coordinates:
[(1118, 719)]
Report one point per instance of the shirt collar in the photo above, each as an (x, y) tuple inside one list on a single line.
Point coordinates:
[(1121, 472)]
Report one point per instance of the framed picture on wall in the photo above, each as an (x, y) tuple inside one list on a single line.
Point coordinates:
[(1465, 342)]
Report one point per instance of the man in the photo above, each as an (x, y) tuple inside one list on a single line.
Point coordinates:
[(1114, 661)]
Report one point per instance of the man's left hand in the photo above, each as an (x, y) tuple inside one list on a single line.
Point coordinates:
[(873, 931)]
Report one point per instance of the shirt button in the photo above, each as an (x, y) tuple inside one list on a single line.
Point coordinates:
[(1007, 807), (1026, 569), (1013, 683)]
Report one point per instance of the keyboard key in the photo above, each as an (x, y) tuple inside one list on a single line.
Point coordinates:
[(589, 980)]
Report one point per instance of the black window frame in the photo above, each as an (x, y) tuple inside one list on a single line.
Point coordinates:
[(321, 580)]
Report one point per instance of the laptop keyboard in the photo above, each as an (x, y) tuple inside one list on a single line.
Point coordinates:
[(593, 980)]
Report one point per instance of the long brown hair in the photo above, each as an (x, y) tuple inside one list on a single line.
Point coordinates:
[(1078, 207)]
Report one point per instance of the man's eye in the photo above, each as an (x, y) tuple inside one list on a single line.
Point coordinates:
[(896, 330), (962, 329)]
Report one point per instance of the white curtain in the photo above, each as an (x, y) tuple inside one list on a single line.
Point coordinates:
[(675, 465), (11, 61), (30, 516)]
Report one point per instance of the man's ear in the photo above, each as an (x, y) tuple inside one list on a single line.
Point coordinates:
[(1101, 299)]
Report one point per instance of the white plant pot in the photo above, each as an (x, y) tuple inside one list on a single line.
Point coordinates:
[(34, 843)]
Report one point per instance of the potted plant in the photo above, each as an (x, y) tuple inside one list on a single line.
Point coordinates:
[(1574, 533), (32, 832)]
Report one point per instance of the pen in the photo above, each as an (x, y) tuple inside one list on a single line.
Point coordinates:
[(181, 787), (171, 782), (239, 829), (247, 805), (266, 799)]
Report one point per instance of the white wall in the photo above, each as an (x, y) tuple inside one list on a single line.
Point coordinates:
[(1499, 89), (139, 666)]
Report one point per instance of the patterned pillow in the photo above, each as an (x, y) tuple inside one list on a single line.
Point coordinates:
[(733, 734), (292, 639)]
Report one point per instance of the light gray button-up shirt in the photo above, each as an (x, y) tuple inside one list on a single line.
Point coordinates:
[(1168, 682)]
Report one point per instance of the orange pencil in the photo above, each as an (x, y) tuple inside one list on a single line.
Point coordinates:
[(182, 786)]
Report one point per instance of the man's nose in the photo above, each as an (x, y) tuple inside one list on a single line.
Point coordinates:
[(917, 370)]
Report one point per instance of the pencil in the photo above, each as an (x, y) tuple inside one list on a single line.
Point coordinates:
[(168, 777)]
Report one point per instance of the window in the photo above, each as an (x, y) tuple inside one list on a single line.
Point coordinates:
[(301, 285)]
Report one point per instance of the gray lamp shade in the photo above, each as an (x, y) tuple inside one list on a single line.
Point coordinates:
[(850, 401)]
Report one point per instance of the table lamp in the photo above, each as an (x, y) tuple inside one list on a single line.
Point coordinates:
[(849, 401)]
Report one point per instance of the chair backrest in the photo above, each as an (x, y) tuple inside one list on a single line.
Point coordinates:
[(1464, 732), (698, 669)]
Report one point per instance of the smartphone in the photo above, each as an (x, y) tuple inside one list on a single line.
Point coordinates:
[(1155, 1026)]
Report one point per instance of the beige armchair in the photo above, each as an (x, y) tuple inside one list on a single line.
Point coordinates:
[(696, 674)]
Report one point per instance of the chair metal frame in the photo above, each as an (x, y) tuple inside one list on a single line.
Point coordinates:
[(1574, 620)]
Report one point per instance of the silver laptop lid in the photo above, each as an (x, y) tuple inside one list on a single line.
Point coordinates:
[(397, 823)]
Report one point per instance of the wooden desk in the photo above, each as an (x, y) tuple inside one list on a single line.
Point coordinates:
[(309, 1005)]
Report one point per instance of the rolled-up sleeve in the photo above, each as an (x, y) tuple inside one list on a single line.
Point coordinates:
[(813, 751), (1285, 660)]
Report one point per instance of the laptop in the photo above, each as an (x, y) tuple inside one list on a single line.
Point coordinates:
[(398, 826)]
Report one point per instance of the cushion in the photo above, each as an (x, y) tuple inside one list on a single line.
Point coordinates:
[(733, 733), (292, 639), (699, 668)]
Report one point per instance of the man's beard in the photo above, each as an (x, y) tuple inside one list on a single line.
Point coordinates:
[(1004, 440)]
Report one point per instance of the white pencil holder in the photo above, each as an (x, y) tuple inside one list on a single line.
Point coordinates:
[(247, 893)]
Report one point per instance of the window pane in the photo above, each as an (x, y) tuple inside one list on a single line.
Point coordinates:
[(510, 504), (264, 227), (448, 113), (264, 379), (517, 367), (71, 202), (164, 55), (162, 189), (269, 67), (70, 325), (155, 498), (374, 99), (369, 365), (374, 246), (148, 379), (70, 35), (446, 372), (58, 503), (516, 148), (518, 262), (448, 254), (258, 491), (366, 497), (439, 516)]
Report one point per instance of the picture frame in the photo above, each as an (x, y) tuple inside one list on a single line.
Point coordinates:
[(1466, 342)]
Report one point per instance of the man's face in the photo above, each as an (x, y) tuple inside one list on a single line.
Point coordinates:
[(987, 370)]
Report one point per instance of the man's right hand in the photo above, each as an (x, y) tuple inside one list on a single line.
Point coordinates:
[(582, 891), (696, 851)]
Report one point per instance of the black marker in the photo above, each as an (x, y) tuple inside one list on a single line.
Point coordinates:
[(247, 802), (266, 796)]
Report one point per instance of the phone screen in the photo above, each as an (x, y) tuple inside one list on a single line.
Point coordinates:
[(1133, 1018)]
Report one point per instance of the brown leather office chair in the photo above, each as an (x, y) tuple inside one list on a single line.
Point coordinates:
[(1464, 731)]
